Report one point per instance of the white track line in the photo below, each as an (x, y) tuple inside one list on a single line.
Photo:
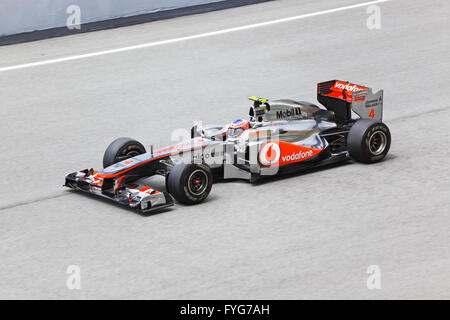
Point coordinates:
[(197, 36)]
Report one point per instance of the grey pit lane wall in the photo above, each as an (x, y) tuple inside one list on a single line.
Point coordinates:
[(26, 20), (18, 16)]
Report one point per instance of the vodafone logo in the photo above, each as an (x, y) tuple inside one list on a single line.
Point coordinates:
[(298, 156), (347, 86), (269, 154)]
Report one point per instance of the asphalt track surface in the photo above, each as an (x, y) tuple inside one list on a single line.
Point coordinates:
[(307, 236)]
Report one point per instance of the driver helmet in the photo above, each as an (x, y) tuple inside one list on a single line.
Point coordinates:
[(237, 127)]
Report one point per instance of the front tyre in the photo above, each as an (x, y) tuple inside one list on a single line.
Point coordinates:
[(122, 149), (368, 141), (189, 183)]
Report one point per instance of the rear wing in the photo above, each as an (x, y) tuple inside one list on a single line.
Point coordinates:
[(342, 97)]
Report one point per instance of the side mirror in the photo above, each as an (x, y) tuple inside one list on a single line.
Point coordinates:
[(194, 132)]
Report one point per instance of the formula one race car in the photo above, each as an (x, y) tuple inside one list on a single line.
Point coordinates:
[(281, 136)]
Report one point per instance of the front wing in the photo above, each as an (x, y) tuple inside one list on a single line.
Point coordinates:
[(134, 195)]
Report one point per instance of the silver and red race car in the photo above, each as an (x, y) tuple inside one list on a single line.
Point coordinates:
[(281, 136)]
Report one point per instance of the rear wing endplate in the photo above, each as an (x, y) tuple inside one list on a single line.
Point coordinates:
[(342, 97)]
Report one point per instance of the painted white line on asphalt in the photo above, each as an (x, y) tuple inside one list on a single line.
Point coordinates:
[(197, 36)]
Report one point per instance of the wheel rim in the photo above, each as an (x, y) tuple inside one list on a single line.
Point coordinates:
[(132, 153), (377, 143), (197, 182), (129, 154)]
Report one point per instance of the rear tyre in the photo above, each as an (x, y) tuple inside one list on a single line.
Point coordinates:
[(189, 183), (122, 149), (368, 141)]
